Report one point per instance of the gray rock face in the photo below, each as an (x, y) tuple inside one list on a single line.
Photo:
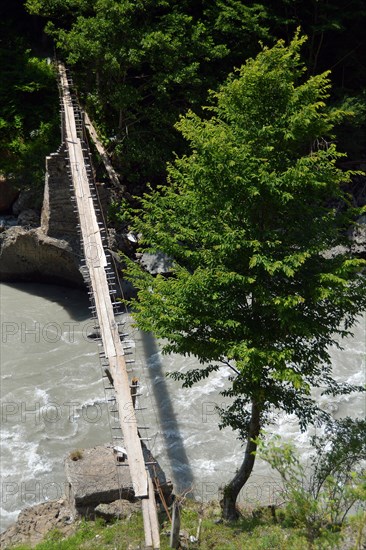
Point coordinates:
[(35, 522), (30, 255), (155, 264), (96, 478), (46, 248), (119, 509), (49, 253), (7, 195), (28, 199), (28, 218)]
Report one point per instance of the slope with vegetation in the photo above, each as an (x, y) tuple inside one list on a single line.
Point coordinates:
[(255, 201), (139, 65)]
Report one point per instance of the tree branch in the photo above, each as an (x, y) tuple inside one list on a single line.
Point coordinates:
[(230, 366)]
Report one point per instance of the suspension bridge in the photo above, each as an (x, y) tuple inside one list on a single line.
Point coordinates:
[(99, 275)]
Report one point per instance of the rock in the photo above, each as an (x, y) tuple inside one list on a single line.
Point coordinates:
[(97, 487), (97, 479), (184, 535), (28, 199), (29, 218), (94, 479), (30, 255), (7, 195), (119, 509), (119, 241), (156, 263), (34, 523), (50, 253)]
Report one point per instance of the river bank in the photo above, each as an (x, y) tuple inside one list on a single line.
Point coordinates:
[(201, 527), (53, 402)]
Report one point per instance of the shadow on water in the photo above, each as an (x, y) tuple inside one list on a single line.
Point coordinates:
[(172, 438), (73, 300)]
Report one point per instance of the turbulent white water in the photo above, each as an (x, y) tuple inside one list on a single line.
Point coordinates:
[(53, 402)]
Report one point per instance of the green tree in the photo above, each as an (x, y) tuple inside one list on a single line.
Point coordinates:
[(336, 35), (139, 65), (29, 121), (255, 222)]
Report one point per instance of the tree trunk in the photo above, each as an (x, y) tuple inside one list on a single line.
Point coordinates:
[(233, 488)]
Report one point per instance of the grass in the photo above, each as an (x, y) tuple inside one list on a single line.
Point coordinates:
[(76, 455), (249, 533)]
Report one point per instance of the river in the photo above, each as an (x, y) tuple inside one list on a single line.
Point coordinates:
[(53, 401)]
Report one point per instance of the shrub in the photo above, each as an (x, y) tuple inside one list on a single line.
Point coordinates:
[(317, 498), (76, 455)]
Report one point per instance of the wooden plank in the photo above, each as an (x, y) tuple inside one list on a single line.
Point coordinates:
[(103, 305), (147, 527), (95, 262), (101, 150), (129, 426), (153, 516), (174, 541), (150, 516)]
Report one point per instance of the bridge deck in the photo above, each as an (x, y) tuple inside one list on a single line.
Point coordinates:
[(96, 263)]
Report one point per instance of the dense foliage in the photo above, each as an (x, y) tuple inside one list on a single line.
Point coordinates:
[(29, 123), (247, 219), (139, 65), (29, 127)]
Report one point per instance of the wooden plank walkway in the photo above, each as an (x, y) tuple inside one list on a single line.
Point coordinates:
[(96, 262)]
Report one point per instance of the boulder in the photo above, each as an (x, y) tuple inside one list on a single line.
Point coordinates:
[(7, 195), (30, 255), (158, 263), (119, 509), (35, 522), (119, 241), (29, 218), (28, 199), (97, 478)]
